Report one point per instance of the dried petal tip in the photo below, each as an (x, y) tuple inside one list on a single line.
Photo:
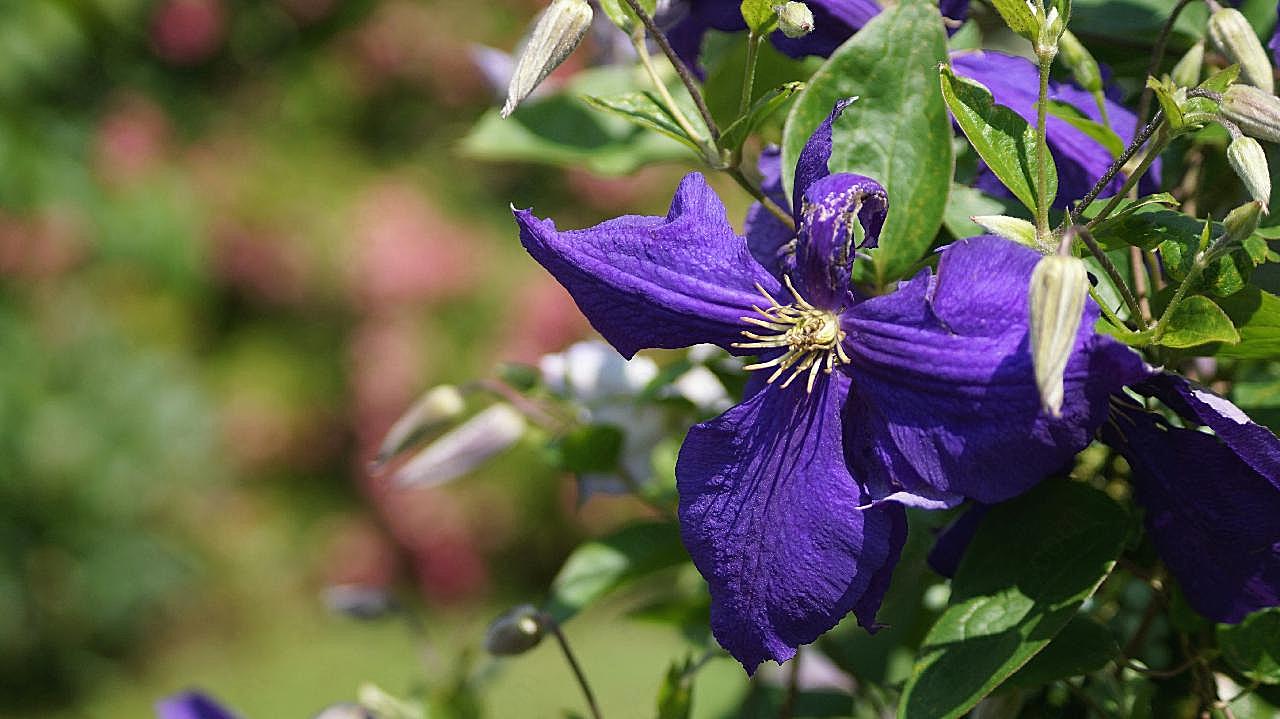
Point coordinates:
[(1250, 163), (794, 19), (515, 632), (555, 34), (1059, 285), (1232, 34), (1256, 112)]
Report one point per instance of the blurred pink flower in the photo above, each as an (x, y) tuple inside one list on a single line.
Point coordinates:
[(131, 139), (308, 11), (263, 265), (187, 32), (41, 246), (419, 44), (406, 251), (542, 319)]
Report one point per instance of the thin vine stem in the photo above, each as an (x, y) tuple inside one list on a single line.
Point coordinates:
[(642, 52), (745, 182), (749, 76), (681, 69), (1042, 151), (1139, 140), (1109, 267), (1131, 181), (590, 696)]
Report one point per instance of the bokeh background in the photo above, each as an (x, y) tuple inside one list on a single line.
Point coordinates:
[(237, 239)]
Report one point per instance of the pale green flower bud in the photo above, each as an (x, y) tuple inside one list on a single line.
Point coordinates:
[(515, 632), (433, 409), (1232, 34), (1010, 228), (464, 448), (1240, 223), (794, 19), (1082, 65), (1186, 73), (555, 34), (1059, 285), (1250, 163), (1256, 112)]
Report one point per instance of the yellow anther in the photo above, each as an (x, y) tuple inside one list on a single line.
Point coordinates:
[(812, 337)]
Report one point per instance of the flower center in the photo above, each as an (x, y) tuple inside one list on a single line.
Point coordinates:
[(812, 337)]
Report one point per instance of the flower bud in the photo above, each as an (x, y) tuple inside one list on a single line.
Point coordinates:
[(1256, 112), (464, 448), (1186, 73), (437, 406), (1010, 228), (1083, 67), (1240, 223), (1059, 285), (794, 19), (1250, 163), (555, 34), (1232, 34), (345, 710), (515, 632)]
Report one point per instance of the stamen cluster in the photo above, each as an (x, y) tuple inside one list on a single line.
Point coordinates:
[(811, 335)]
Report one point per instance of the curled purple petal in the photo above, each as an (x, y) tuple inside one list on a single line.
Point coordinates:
[(811, 166), (825, 244), (770, 516), (944, 389), (666, 282), (1213, 517), (191, 705)]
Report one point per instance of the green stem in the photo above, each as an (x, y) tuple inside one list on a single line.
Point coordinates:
[(573, 664), (681, 69), (1202, 261), (642, 51), (1111, 317), (745, 183), (1135, 310), (749, 75), (1132, 180), (1042, 153), (1114, 169)]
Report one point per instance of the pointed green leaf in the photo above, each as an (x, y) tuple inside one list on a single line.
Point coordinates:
[(1032, 563), (898, 133), (1096, 131), (643, 109), (760, 15), (1256, 315), (1197, 321), (1005, 141), (675, 695), (736, 134), (601, 566), (622, 16), (1253, 646), (1081, 647), (1017, 15)]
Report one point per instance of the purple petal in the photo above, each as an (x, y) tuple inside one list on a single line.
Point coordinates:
[(770, 516), (1214, 519), (834, 21), (686, 33), (667, 282), (766, 235), (811, 166), (1274, 44), (824, 244), (957, 10), (949, 545), (944, 390), (191, 705), (1081, 160)]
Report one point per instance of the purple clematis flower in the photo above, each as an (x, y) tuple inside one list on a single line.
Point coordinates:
[(911, 396), (1212, 503), (834, 22), (1080, 159), (191, 705)]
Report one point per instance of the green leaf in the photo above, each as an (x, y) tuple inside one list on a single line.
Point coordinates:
[(736, 134), (1032, 563), (1253, 646), (675, 695), (1197, 321), (645, 110), (898, 133), (590, 448), (759, 16), (1096, 131), (1256, 316), (601, 566), (1017, 15), (965, 202), (1005, 141), (1083, 646)]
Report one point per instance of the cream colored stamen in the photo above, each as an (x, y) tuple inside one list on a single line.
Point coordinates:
[(811, 335)]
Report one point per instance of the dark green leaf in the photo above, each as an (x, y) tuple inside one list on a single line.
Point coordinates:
[(1005, 141), (1148, 227), (1253, 646), (1096, 131), (1197, 321), (1256, 316), (675, 695), (1017, 15), (645, 110), (601, 566), (1033, 561), (898, 133), (965, 202), (736, 134), (1081, 647), (759, 15), (590, 448)]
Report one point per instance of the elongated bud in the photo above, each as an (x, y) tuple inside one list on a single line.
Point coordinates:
[(1240, 223), (1059, 284), (1256, 112), (434, 408), (1010, 228), (1083, 67), (555, 34), (1250, 163), (1234, 37), (794, 19), (1186, 73), (464, 448), (515, 632)]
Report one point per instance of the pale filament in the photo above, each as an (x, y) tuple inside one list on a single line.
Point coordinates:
[(811, 335)]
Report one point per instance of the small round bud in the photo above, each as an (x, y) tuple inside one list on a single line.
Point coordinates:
[(1241, 222), (515, 632), (1256, 112), (1059, 285), (555, 34), (1250, 163), (1083, 67), (795, 19), (1186, 73), (1234, 37)]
